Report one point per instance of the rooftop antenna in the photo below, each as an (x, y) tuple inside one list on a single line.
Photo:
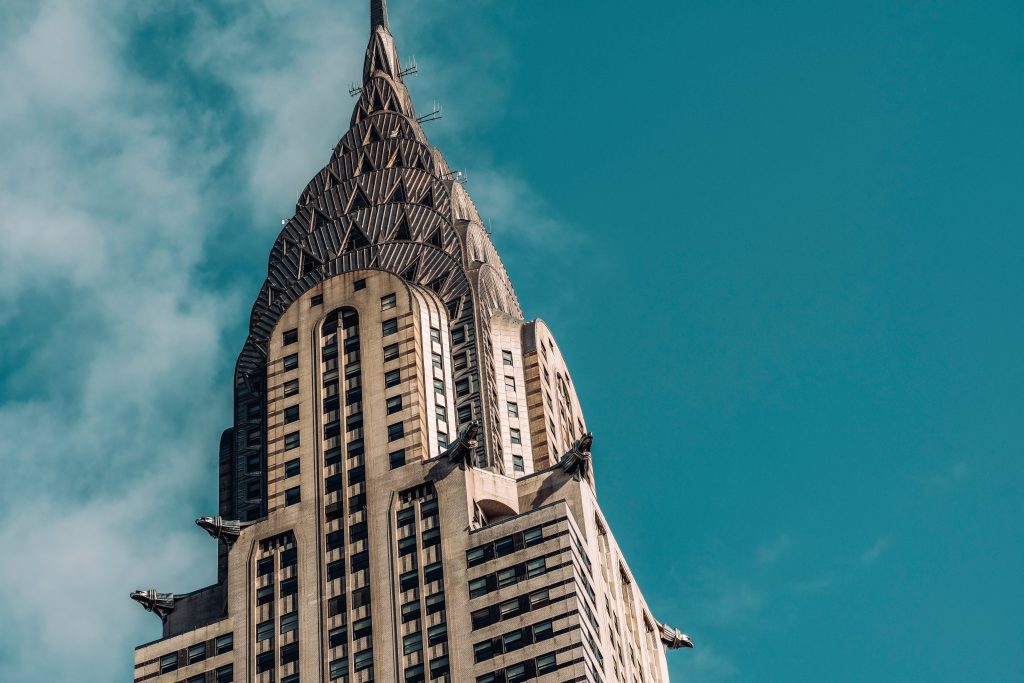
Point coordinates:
[(410, 68), (458, 176), (354, 90), (433, 115)]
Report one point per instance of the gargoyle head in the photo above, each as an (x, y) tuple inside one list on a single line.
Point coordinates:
[(470, 434), (207, 523), (143, 598), (583, 445)]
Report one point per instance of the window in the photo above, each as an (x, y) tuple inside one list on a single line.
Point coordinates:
[(359, 284), (517, 463), (414, 674), (412, 643), (536, 567), (513, 409), (388, 302), (397, 458), (252, 438), (338, 636), (335, 540), (265, 662), (405, 517), (438, 386), (515, 435), (226, 643), (265, 566), (291, 468), (360, 561), (396, 431), (483, 651), (291, 441), (316, 300), (437, 634), (389, 327), (289, 557), (506, 577), (439, 666), (169, 662), (478, 587), (289, 653), (435, 602), (508, 608), (394, 404), (294, 678), (543, 631), (516, 673), (442, 440), (465, 414), (428, 508), (289, 622), (336, 606), (335, 570), (265, 595), (292, 496), (391, 352), (253, 490), (289, 586), (510, 383), (265, 630), (512, 641), (392, 378), (291, 362), (291, 414), (290, 337), (532, 537), (460, 361), (546, 664), (201, 678), (410, 611), (357, 532), (462, 387), (433, 572), (409, 580), (406, 546), (364, 660), (291, 387), (506, 357), (436, 360), (458, 335), (435, 334), (339, 668), (441, 413), (432, 537), (356, 475), (362, 628)]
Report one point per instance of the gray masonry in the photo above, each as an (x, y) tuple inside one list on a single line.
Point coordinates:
[(406, 493)]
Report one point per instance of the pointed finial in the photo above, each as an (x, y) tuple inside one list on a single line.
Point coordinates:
[(378, 14)]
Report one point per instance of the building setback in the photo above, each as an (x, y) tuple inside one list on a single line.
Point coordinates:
[(406, 493)]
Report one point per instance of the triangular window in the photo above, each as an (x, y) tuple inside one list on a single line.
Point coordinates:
[(364, 166), (307, 264), (428, 198), (359, 200), (402, 231), (435, 239), (438, 283), (420, 164), (395, 160), (378, 105), (356, 239), (410, 273), (399, 194)]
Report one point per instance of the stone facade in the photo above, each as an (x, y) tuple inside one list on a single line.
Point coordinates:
[(405, 494)]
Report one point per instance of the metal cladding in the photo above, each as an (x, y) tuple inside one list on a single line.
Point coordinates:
[(386, 200)]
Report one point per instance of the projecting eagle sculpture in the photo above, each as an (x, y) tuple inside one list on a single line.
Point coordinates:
[(224, 530), (460, 452), (160, 604), (672, 638), (576, 460)]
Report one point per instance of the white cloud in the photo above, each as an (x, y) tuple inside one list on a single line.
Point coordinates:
[(772, 552), (874, 551), (113, 370)]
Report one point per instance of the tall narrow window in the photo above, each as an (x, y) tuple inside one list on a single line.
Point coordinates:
[(513, 409), (506, 357)]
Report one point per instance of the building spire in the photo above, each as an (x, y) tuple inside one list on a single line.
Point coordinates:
[(378, 14)]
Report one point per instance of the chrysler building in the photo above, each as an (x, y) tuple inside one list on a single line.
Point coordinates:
[(407, 489)]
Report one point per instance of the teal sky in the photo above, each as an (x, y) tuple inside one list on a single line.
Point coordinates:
[(780, 245)]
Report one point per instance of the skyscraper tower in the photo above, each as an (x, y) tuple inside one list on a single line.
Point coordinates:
[(406, 493)]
